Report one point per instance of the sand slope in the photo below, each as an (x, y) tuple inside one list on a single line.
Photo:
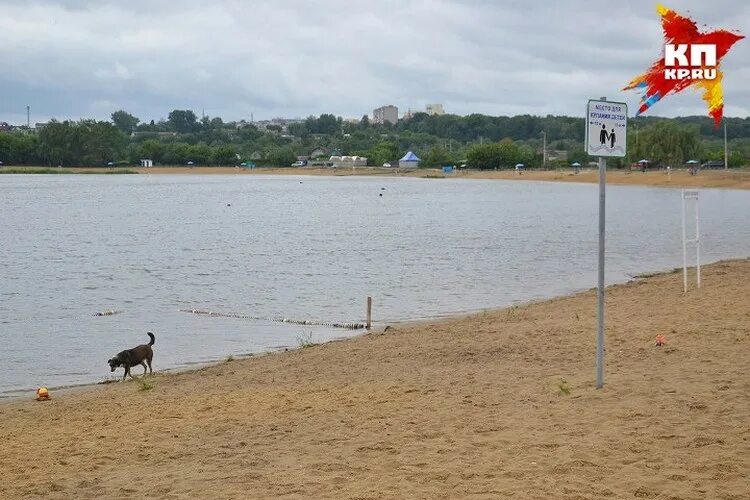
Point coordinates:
[(496, 405)]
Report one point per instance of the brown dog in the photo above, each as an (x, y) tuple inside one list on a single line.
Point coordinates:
[(136, 356)]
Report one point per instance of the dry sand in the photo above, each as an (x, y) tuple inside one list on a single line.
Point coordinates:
[(734, 179), (494, 405), (731, 179)]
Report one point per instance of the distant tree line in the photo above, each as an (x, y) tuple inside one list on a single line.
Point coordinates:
[(484, 141)]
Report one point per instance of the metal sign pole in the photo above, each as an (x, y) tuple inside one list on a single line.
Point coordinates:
[(600, 288), (606, 135)]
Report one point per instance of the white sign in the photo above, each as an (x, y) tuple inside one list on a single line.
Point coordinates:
[(606, 128)]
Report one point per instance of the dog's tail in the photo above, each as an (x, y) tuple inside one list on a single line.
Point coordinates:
[(151, 342)]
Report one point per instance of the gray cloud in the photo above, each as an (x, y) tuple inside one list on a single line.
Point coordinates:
[(71, 59)]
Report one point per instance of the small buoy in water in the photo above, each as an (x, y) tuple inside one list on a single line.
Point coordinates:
[(381, 194), (229, 204), (382, 189), (42, 394)]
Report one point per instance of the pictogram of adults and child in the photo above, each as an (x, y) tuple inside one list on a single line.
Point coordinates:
[(605, 136)]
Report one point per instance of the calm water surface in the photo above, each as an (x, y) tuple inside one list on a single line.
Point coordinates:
[(301, 248)]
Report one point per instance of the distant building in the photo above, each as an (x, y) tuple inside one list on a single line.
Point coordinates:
[(385, 114), (557, 155), (348, 161), (149, 134), (434, 109)]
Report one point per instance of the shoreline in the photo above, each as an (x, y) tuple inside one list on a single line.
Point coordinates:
[(16, 394), (718, 179), (498, 403)]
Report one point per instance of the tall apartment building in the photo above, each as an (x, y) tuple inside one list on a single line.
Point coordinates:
[(385, 114), (434, 109)]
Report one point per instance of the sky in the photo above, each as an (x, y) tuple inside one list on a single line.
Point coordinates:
[(72, 59)]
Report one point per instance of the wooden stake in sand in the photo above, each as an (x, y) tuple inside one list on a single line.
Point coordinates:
[(369, 312)]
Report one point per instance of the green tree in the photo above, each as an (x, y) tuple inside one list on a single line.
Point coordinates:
[(125, 121), (328, 124), (200, 154), (381, 153), (182, 121), (224, 155), (665, 142), (437, 156), (298, 130), (280, 157), (504, 154)]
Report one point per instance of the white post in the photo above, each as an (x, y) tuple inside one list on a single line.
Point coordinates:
[(697, 243), (684, 246), (600, 287), (691, 195)]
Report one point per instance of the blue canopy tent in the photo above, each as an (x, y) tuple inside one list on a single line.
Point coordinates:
[(410, 160)]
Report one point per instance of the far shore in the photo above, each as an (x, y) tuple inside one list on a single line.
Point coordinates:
[(725, 179), (498, 404), (729, 179)]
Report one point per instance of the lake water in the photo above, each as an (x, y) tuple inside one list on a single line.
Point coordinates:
[(301, 248)]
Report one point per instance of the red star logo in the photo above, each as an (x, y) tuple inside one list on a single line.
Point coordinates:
[(657, 82)]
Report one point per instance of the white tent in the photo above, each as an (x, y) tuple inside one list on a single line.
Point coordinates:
[(410, 160)]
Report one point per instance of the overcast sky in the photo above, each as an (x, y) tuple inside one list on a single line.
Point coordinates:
[(294, 58)]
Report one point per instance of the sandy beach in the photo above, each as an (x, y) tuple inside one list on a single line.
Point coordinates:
[(499, 404), (731, 179)]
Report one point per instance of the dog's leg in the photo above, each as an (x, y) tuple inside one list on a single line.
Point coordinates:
[(143, 364), (128, 372), (125, 374), (148, 360)]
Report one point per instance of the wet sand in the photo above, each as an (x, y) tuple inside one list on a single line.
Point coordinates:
[(493, 405)]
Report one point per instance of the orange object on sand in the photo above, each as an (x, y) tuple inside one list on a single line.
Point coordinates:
[(661, 340), (42, 394)]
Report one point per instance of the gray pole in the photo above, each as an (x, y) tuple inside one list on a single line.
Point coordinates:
[(600, 285), (726, 160)]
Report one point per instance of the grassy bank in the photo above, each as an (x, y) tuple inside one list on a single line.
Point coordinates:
[(63, 171)]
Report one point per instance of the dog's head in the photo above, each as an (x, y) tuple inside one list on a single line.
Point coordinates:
[(114, 363)]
